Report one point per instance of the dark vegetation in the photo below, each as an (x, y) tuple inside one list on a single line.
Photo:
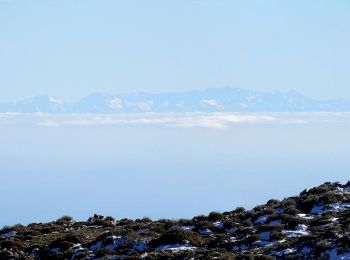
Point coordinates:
[(313, 225)]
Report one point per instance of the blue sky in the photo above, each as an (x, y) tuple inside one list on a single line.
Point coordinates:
[(72, 48)]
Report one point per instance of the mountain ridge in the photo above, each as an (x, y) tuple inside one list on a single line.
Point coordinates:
[(224, 99)]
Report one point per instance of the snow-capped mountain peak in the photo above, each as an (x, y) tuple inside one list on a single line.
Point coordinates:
[(209, 100)]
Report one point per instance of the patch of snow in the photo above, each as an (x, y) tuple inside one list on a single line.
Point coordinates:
[(77, 250), (187, 228), (95, 226), (117, 241), (344, 256), (301, 227), (264, 243), (233, 239), (205, 231), (343, 190), (175, 247), (115, 103), (9, 234), (339, 206), (34, 253), (317, 209), (261, 219), (55, 250), (305, 216), (300, 230), (56, 101), (218, 224), (283, 252), (211, 102)]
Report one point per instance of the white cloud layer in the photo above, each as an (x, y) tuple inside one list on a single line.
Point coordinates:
[(186, 120), (183, 120)]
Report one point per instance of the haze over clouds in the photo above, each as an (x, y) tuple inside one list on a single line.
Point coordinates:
[(183, 120), (214, 157)]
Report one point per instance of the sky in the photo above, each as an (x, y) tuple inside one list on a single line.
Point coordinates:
[(73, 48)]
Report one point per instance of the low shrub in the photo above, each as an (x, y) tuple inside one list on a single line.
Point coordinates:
[(175, 236), (103, 252), (64, 220), (215, 216), (17, 228), (273, 203)]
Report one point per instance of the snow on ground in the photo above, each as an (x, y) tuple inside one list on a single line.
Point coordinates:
[(55, 250), (34, 252), (344, 190), (9, 234), (77, 250), (339, 206), (187, 228), (176, 247), (233, 239), (320, 208), (218, 224), (284, 252), (261, 219), (300, 230), (306, 216), (205, 231), (264, 243), (317, 209), (116, 242)]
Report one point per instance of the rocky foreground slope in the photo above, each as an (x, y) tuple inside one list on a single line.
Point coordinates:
[(313, 225)]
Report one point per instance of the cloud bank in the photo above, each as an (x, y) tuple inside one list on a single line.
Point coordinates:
[(186, 120), (181, 120)]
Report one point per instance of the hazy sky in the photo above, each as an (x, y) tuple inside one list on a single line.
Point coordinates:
[(72, 48)]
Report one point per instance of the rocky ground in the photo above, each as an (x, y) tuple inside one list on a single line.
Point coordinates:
[(313, 225)]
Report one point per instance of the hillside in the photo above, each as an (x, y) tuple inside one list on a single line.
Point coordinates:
[(313, 225), (209, 100)]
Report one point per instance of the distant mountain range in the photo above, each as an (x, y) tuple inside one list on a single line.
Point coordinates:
[(209, 100)]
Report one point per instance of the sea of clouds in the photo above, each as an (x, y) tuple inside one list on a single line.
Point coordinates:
[(182, 120)]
